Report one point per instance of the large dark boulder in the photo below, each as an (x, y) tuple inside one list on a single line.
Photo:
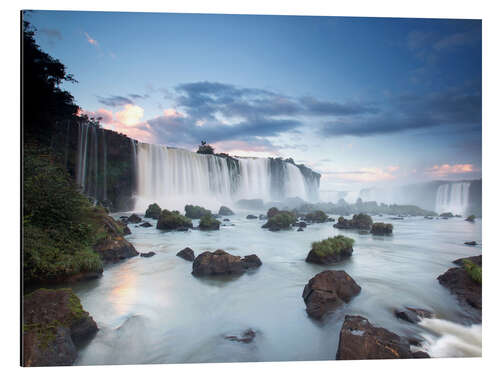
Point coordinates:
[(331, 250), (225, 211), (187, 253), (359, 339), (196, 212), (381, 229), (222, 263), (134, 219), (328, 290), (54, 324), (149, 254), (173, 220), (153, 211), (470, 243), (208, 222), (359, 221), (465, 281), (113, 250), (146, 225)]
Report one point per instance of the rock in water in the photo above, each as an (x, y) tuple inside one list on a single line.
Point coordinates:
[(134, 219), (221, 263), (53, 323), (149, 254), (460, 281), (381, 229), (361, 340), (328, 290), (145, 225), (153, 211), (173, 220), (251, 217), (225, 211), (413, 315), (471, 243), (246, 337), (330, 250), (207, 222), (115, 249), (187, 254), (360, 221)]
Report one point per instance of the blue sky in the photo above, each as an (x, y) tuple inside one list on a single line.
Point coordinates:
[(364, 101)]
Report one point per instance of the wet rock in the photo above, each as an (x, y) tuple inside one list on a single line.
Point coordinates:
[(207, 222), (470, 243), (360, 221), (327, 291), (331, 250), (153, 211), (115, 249), (471, 218), (149, 254), (126, 230), (246, 337), (251, 217), (54, 324), (187, 254), (446, 215), (420, 355), (196, 212), (134, 219), (412, 315), (226, 219), (460, 282), (316, 217), (280, 221), (359, 339), (173, 220), (225, 211), (381, 229), (262, 217), (222, 263), (145, 225), (300, 230)]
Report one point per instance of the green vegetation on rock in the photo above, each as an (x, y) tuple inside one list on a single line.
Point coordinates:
[(474, 271), (317, 216), (153, 211), (281, 220), (173, 220), (471, 218), (332, 245), (196, 212), (208, 222)]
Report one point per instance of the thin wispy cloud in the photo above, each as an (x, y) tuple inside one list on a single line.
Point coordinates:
[(90, 39)]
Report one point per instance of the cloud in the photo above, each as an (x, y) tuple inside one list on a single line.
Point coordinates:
[(457, 40), (90, 39), (115, 100), (451, 169), (130, 115), (324, 108), (371, 174)]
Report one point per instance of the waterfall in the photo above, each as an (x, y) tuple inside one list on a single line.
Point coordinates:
[(175, 177), (453, 197)]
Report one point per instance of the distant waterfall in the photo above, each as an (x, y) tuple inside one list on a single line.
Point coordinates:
[(175, 177), (91, 163), (453, 197)]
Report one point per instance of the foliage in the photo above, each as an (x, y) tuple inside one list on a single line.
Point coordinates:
[(196, 212), (471, 218), (446, 214), (317, 217), (208, 222), (172, 220), (382, 228), (281, 220), (58, 224), (272, 212), (205, 149), (332, 245), (474, 271), (153, 211)]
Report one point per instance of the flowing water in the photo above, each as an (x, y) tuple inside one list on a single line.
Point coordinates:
[(152, 310), (453, 197)]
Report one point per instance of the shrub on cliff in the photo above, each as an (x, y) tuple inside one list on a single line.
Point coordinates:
[(205, 149), (153, 211), (208, 222), (474, 271), (196, 212), (281, 220), (317, 217), (173, 220)]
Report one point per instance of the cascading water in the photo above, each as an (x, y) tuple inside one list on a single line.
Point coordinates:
[(175, 177), (453, 197)]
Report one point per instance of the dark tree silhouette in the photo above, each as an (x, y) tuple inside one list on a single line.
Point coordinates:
[(205, 149)]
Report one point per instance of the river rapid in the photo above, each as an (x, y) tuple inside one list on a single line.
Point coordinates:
[(152, 310)]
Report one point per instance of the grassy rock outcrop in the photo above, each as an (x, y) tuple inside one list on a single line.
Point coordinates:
[(280, 221), (471, 218), (173, 220), (208, 222), (327, 291), (359, 221), (196, 212), (381, 229), (331, 250), (54, 323), (225, 211), (316, 217), (153, 211)]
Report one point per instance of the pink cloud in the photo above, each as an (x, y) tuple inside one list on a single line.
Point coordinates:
[(91, 40), (447, 169), (242, 148)]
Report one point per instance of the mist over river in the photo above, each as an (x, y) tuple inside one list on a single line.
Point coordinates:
[(152, 310)]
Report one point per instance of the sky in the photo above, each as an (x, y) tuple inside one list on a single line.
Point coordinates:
[(363, 101)]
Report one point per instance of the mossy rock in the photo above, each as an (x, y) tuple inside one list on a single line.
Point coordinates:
[(173, 220), (359, 221), (382, 229), (331, 250), (54, 323), (316, 217), (208, 222), (196, 212), (153, 211), (225, 211), (471, 218), (281, 220)]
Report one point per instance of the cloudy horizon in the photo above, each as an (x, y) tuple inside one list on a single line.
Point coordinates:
[(363, 101)]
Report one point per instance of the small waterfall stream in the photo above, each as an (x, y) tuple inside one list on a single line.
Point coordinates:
[(453, 197)]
